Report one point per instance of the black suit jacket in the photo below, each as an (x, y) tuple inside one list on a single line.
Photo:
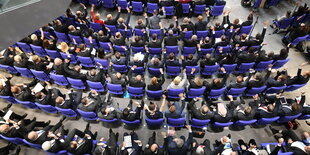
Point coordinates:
[(195, 112), (171, 40)]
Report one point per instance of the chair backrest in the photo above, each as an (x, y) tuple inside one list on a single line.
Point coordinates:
[(120, 68), (88, 44), (244, 123), (154, 71), (108, 3), (199, 122), (12, 70), (174, 93), (155, 31), (72, 57), (235, 92), (24, 72), (62, 37), (196, 92), (105, 46), (114, 87), (137, 6), (245, 29), (47, 108), (151, 7), (255, 90), (38, 50), (189, 50), (103, 62), (188, 34), (124, 4), (219, 33), (95, 86), (37, 146), (53, 53), (173, 70), (279, 63), (215, 93), (209, 70), (154, 94), (87, 114), (217, 10), (137, 49), (85, 61), (221, 125), (245, 67), (273, 90), (138, 32), (154, 122), (285, 119), (189, 69), (185, 8), (112, 28), (120, 49), (263, 65), (294, 87), (204, 51), (199, 9), (76, 83), (59, 79), (135, 91), (67, 112), (155, 51), (169, 10), (96, 26), (299, 39), (24, 47), (176, 122), (286, 23), (229, 67), (78, 39), (40, 75)]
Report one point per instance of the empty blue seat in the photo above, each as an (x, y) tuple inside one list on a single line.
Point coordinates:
[(210, 70), (169, 10), (53, 53), (108, 4), (255, 90), (189, 69), (85, 61), (151, 7), (24, 72), (24, 47), (27, 104), (38, 50), (97, 86), (115, 89), (12, 70), (279, 63), (123, 4), (216, 93), (132, 123), (103, 62), (196, 92), (189, 50), (197, 123), (40, 75), (154, 71), (263, 65), (217, 10), (91, 116), (174, 93), (47, 108), (154, 94), (273, 90), (176, 122), (96, 26), (285, 119), (67, 112), (135, 91), (76, 83), (154, 122), (200, 9), (120, 68), (185, 8), (265, 121), (59, 79), (245, 67), (236, 92), (137, 7)]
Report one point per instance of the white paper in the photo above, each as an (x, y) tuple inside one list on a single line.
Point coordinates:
[(7, 115), (127, 141), (217, 40), (50, 65), (83, 71), (30, 59), (139, 55), (93, 52), (38, 88), (3, 82)]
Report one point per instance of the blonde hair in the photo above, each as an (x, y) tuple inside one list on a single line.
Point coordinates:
[(34, 37), (35, 58), (17, 58), (177, 80), (153, 80), (198, 81), (97, 16), (64, 47)]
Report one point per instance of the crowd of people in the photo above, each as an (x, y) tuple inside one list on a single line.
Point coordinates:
[(228, 44)]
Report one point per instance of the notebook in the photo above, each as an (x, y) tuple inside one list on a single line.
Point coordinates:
[(127, 141)]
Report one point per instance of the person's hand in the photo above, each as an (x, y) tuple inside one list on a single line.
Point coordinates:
[(48, 83), (160, 25), (208, 12), (161, 71), (182, 57), (134, 67), (87, 135), (164, 96), (231, 27), (138, 142), (303, 64), (184, 70), (266, 23), (185, 30), (94, 92), (84, 7), (255, 97), (175, 18), (188, 127), (147, 50), (181, 95), (74, 41), (101, 139), (230, 97), (93, 5), (90, 39), (223, 70), (119, 9), (164, 134), (136, 103), (67, 60), (111, 63), (193, 70), (280, 141), (128, 10), (212, 28), (270, 65), (145, 15), (198, 98)]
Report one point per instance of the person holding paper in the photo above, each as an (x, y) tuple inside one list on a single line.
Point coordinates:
[(178, 145), (129, 114), (5, 85), (108, 148), (131, 144), (23, 92), (152, 148)]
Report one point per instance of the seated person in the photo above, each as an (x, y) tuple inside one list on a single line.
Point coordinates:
[(81, 145), (70, 103), (217, 83), (95, 76), (189, 60), (39, 64), (178, 145), (172, 60), (239, 83), (201, 113), (178, 82), (119, 60), (110, 111), (299, 78), (223, 114), (136, 81), (75, 72), (90, 103), (175, 110), (108, 148), (195, 83), (5, 85), (129, 114), (243, 112), (251, 148), (156, 83), (23, 92), (152, 148), (117, 77), (139, 63), (266, 109), (153, 112), (56, 143), (224, 146), (46, 97), (155, 63), (201, 149), (59, 67), (135, 148), (292, 106)]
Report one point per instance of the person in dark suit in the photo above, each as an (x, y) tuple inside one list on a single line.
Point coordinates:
[(179, 145), (90, 103), (224, 42), (95, 76), (56, 143), (117, 78), (266, 109), (242, 112), (172, 60), (207, 61), (40, 65), (113, 21), (108, 148), (119, 39), (73, 31), (239, 83), (156, 83), (153, 112), (256, 80), (85, 52), (135, 149), (83, 146), (228, 59), (189, 60), (13, 118), (217, 83), (110, 110), (187, 25), (305, 107), (259, 38), (103, 37), (138, 41), (156, 42), (140, 24), (249, 20), (5, 86), (155, 63), (171, 40), (191, 42), (201, 113), (299, 78), (136, 81), (201, 25), (293, 142), (175, 110), (292, 106), (46, 97), (71, 103), (129, 114), (201, 149), (61, 27), (139, 63), (206, 43), (283, 54), (302, 30), (59, 67), (75, 72), (21, 61), (152, 148), (40, 136), (119, 60), (246, 57), (23, 92), (277, 81), (224, 114), (197, 82)]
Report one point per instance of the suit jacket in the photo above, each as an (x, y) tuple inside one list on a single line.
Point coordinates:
[(91, 107), (121, 61), (174, 150), (114, 80), (298, 79), (160, 151), (195, 112), (86, 52), (6, 91), (99, 77), (178, 111), (74, 74), (47, 100), (60, 69), (193, 62), (223, 119), (24, 95), (157, 86), (171, 40), (133, 82)]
